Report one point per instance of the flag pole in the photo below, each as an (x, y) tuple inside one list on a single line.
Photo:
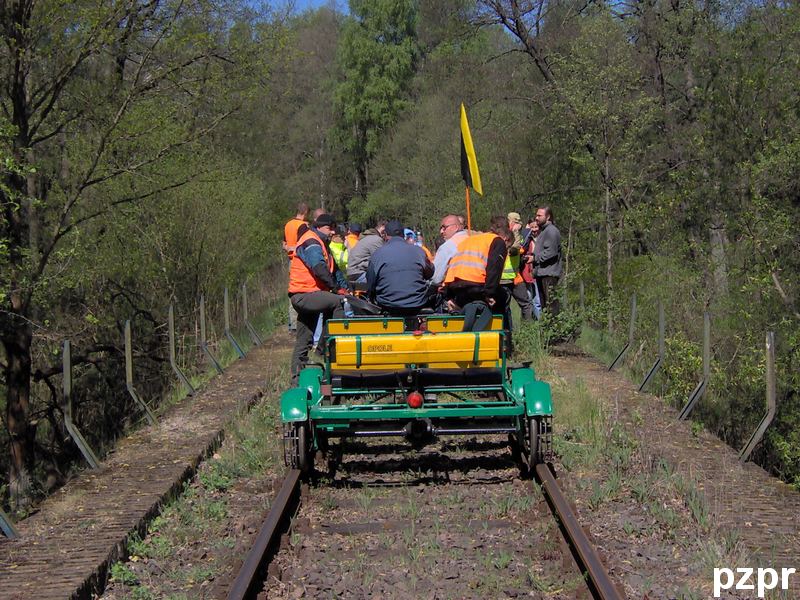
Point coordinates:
[(469, 217)]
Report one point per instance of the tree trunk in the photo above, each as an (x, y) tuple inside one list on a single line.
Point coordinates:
[(609, 244), (17, 345), (718, 240), (323, 184)]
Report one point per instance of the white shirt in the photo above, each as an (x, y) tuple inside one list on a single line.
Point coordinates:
[(443, 255)]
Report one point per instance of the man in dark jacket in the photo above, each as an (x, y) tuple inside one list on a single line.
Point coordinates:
[(398, 274), (547, 260)]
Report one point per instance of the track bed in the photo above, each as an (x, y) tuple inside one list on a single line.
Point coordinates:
[(455, 520)]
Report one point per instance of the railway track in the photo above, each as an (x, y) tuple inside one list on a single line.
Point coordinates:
[(250, 580)]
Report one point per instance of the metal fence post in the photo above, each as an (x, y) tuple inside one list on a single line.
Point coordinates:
[(76, 436), (631, 329), (172, 361), (252, 330), (661, 346), (744, 455), (228, 333), (700, 390), (203, 340), (129, 376), (7, 527), (582, 295)]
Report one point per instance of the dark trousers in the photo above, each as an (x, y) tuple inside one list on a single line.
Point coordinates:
[(309, 306), (548, 295), (520, 294)]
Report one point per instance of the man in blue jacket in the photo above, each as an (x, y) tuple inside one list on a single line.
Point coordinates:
[(398, 274)]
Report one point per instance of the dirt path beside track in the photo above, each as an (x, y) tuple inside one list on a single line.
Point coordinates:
[(65, 549), (751, 516)]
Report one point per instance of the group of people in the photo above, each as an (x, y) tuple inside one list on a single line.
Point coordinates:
[(472, 272)]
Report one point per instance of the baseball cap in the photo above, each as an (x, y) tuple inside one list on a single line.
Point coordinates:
[(394, 227), (324, 219)]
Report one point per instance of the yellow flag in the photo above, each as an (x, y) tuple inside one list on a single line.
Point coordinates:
[(469, 162)]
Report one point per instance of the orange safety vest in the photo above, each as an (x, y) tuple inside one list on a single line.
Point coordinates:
[(351, 240), (471, 258), (301, 279), (290, 235), (427, 253)]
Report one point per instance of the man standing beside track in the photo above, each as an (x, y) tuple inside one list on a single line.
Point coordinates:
[(293, 229), (512, 277), (547, 260), (315, 286)]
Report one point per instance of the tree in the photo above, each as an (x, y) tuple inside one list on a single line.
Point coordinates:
[(95, 99), (377, 57)]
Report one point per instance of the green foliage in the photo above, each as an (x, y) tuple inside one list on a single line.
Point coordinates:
[(122, 573), (377, 56)]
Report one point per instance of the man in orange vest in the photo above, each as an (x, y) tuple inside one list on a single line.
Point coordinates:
[(316, 286), (473, 274), (291, 231)]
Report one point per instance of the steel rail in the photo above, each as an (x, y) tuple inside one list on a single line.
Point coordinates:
[(599, 579), (284, 503)]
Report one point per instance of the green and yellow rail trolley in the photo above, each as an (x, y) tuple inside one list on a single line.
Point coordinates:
[(419, 378)]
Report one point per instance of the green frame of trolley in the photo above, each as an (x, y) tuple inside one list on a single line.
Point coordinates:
[(514, 402)]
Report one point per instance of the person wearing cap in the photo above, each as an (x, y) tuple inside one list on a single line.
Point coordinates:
[(358, 259), (353, 234), (415, 237), (315, 286), (398, 273), (512, 277)]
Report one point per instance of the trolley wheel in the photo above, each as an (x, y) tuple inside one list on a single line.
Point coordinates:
[(305, 459), (297, 446), (535, 454)]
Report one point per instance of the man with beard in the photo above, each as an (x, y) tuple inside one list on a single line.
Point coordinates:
[(547, 260)]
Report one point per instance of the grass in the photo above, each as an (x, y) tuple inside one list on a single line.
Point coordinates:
[(199, 516)]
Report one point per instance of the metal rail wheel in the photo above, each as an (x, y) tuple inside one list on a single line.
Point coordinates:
[(297, 446)]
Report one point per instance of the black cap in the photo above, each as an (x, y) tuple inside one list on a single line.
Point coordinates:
[(355, 227), (395, 228), (324, 219)]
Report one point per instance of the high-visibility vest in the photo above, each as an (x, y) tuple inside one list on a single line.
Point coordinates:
[(340, 254), (471, 258), (511, 270), (290, 235), (427, 253), (301, 278), (351, 240)]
